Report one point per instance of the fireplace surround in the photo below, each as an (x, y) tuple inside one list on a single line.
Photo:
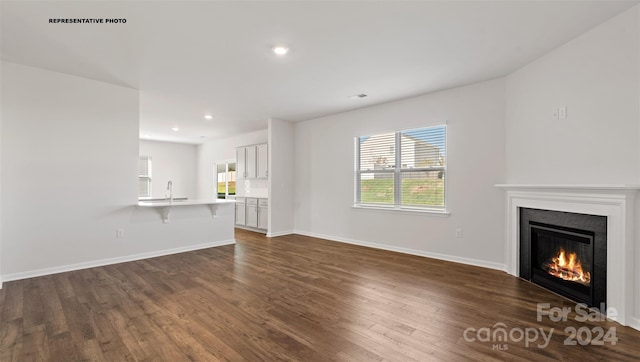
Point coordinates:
[(615, 202)]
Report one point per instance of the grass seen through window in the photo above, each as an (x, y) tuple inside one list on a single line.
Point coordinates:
[(420, 192)]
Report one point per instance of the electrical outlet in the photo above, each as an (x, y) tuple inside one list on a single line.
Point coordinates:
[(119, 233), (562, 112), (458, 233)]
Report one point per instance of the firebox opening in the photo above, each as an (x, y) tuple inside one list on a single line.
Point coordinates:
[(562, 260), (565, 253)]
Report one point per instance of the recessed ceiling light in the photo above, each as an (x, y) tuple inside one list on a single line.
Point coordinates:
[(175, 129), (357, 96), (280, 50), (208, 116)]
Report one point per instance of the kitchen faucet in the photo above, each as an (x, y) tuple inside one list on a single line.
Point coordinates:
[(170, 189)]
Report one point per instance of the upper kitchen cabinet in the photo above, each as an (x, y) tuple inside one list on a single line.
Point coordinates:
[(263, 161), (253, 161), (250, 153), (241, 162)]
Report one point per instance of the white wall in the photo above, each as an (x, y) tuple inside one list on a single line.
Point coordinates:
[(70, 164), (69, 148), (596, 77), (324, 176), (281, 186), (224, 150), (175, 162)]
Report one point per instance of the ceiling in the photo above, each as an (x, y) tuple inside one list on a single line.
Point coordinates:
[(192, 58)]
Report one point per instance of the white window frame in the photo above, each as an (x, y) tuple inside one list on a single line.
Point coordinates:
[(226, 183), (147, 177), (397, 172)]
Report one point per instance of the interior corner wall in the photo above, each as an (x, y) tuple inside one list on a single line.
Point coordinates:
[(596, 77), (175, 162), (218, 150), (324, 176), (281, 179), (69, 155), (1, 116), (636, 315)]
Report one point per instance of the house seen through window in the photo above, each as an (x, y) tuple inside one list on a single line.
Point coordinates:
[(404, 169)]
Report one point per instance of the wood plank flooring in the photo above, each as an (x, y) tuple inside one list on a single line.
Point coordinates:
[(291, 298)]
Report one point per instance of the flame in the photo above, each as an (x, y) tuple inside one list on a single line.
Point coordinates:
[(567, 266)]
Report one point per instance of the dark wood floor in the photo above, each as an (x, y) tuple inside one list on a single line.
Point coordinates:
[(287, 298)]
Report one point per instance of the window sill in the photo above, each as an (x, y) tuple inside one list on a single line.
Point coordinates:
[(403, 210)]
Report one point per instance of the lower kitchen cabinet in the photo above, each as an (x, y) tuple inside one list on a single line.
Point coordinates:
[(263, 213), (241, 213), (252, 213)]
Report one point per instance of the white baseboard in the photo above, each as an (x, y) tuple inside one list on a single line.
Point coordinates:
[(109, 261), (281, 233), (452, 258), (634, 323)]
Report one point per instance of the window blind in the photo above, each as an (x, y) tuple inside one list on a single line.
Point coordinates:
[(144, 166), (144, 176), (402, 169)]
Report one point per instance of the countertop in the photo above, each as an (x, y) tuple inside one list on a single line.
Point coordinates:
[(184, 202)]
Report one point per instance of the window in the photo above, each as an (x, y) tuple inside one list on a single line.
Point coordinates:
[(403, 169), (226, 179), (144, 177)]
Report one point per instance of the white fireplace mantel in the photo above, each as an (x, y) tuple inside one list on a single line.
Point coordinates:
[(616, 202)]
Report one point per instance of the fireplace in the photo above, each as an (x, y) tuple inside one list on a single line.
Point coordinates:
[(616, 207), (565, 253)]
